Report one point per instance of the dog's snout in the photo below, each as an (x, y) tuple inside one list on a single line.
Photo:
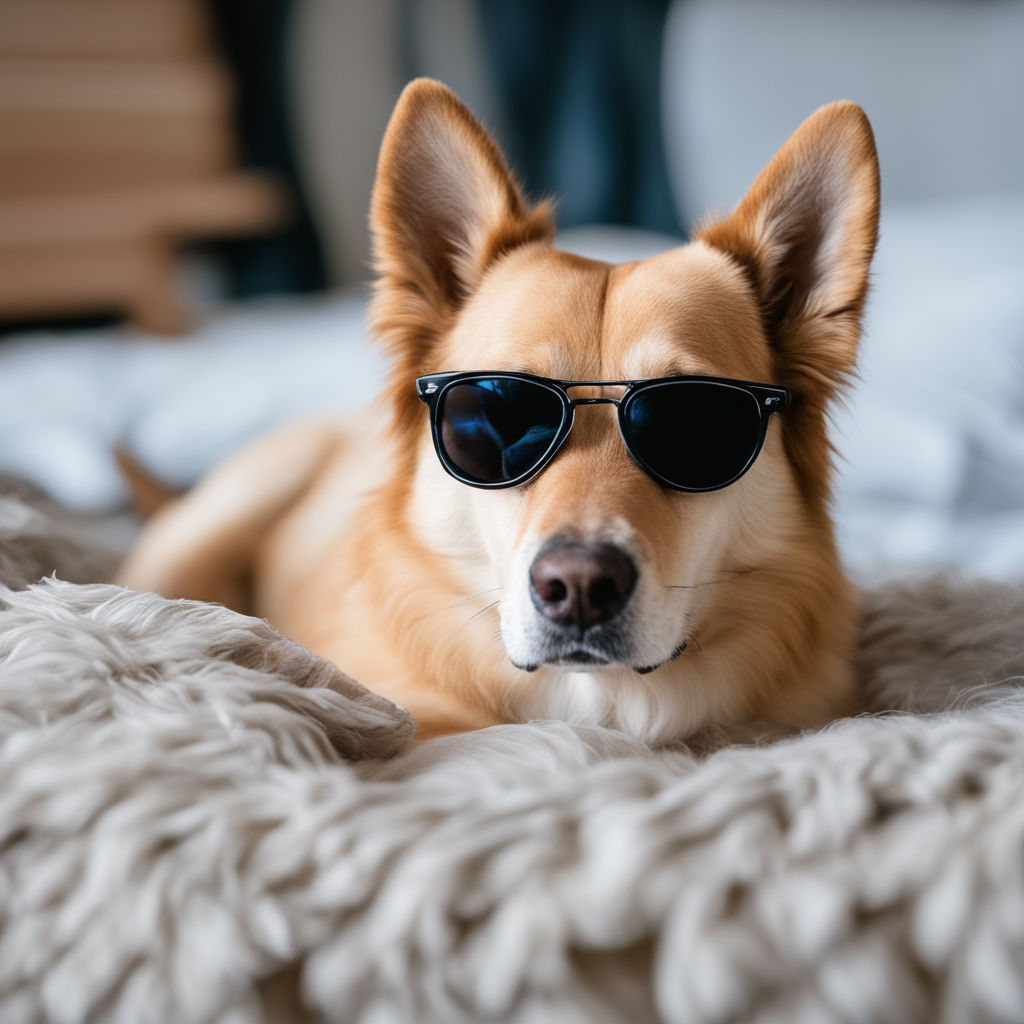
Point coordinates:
[(581, 584)]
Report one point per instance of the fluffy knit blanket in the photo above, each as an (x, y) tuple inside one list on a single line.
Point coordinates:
[(201, 821)]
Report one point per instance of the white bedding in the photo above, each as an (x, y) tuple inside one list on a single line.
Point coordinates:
[(931, 439)]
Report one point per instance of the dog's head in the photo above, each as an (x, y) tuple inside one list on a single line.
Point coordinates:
[(600, 570)]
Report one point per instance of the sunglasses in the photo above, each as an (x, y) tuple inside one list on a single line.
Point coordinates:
[(689, 433)]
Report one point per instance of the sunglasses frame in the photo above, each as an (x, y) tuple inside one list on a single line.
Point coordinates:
[(769, 398)]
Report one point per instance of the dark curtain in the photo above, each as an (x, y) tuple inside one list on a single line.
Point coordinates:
[(254, 38), (579, 82)]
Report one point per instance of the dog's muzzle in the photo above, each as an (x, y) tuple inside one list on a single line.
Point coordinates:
[(584, 614), (579, 590)]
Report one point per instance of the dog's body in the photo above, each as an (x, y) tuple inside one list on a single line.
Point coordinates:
[(356, 542)]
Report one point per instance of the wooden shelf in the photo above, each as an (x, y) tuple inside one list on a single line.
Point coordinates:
[(116, 150)]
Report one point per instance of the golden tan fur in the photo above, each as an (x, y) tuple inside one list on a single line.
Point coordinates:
[(358, 544)]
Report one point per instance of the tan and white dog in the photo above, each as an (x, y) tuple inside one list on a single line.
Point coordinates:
[(624, 602)]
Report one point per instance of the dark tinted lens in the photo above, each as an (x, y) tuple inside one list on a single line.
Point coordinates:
[(496, 429), (693, 433)]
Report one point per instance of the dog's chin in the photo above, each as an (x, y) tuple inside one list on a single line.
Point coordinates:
[(581, 660), (645, 669), (574, 654)]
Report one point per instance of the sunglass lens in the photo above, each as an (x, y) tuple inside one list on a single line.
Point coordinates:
[(695, 434), (496, 429)]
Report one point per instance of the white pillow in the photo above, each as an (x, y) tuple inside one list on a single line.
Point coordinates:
[(179, 405), (935, 426)]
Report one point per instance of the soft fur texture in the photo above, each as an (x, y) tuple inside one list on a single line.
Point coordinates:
[(38, 538), (193, 828)]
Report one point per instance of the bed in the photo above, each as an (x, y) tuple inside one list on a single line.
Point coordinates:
[(201, 821)]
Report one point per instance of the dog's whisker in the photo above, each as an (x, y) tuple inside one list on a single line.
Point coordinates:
[(485, 608), (473, 597), (459, 626), (694, 586), (728, 573)]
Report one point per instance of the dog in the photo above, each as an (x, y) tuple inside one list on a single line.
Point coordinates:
[(599, 493)]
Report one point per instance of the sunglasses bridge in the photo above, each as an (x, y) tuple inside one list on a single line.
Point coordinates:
[(625, 385)]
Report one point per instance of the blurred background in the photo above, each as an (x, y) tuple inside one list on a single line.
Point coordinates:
[(184, 187)]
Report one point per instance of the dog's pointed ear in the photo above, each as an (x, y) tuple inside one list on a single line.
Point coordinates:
[(445, 205), (805, 234)]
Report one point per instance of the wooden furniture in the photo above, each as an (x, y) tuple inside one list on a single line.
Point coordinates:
[(115, 151)]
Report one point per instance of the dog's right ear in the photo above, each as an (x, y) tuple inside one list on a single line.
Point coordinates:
[(445, 207), (804, 234)]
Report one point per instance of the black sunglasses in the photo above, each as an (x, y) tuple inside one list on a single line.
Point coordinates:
[(690, 433)]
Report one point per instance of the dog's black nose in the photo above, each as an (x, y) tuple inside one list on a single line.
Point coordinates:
[(575, 583)]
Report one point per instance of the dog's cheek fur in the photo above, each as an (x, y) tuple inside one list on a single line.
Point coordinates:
[(786, 628), (473, 531)]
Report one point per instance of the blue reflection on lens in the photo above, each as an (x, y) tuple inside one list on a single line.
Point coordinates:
[(497, 429)]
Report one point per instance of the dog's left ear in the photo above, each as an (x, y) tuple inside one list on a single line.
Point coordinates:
[(805, 234), (445, 208)]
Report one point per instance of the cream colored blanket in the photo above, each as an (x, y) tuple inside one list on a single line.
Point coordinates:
[(201, 821)]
